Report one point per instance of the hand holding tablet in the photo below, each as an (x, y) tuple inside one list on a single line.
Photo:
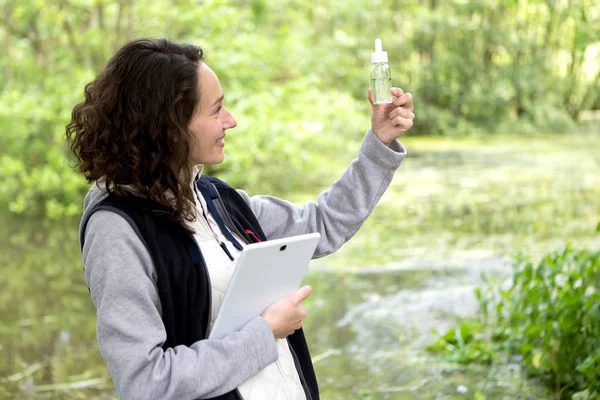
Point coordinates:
[(265, 273), (285, 315)]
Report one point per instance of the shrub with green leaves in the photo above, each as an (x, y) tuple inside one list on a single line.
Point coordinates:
[(464, 344), (550, 314), (546, 312)]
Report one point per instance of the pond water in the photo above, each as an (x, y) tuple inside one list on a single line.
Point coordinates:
[(456, 209), (371, 329)]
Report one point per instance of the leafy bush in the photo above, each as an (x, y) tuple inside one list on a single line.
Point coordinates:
[(549, 314)]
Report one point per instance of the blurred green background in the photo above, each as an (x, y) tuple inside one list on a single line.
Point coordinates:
[(504, 157)]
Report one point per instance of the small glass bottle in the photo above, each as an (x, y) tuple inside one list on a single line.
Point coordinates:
[(381, 76)]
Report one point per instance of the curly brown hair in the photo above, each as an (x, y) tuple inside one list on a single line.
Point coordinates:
[(132, 127)]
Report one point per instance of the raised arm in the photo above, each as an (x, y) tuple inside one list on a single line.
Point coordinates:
[(340, 210)]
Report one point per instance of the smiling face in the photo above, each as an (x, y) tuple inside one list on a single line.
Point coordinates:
[(209, 121)]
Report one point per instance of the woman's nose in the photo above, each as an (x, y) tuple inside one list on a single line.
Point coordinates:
[(229, 122)]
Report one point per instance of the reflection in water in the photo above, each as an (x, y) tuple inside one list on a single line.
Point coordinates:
[(370, 331), (47, 320)]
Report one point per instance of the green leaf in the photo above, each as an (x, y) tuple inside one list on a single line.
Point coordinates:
[(480, 396)]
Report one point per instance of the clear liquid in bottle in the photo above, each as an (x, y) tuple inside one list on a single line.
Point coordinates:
[(381, 90)]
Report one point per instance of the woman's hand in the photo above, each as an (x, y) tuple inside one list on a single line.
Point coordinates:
[(390, 120), (285, 316)]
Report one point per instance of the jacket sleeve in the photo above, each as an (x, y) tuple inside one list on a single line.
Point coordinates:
[(340, 210), (121, 277)]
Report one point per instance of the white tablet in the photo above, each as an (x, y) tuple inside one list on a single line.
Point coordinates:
[(265, 273)]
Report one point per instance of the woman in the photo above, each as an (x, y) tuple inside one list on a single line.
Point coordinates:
[(159, 239)]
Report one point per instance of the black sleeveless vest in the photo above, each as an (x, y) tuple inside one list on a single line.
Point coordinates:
[(182, 277)]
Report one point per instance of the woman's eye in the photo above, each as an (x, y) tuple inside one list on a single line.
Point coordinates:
[(218, 110)]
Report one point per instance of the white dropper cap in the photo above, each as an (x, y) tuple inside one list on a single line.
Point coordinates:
[(379, 56)]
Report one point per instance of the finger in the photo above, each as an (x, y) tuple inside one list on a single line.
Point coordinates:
[(401, 112), (396, 92), (405, 98), (403, 123), (406, 101), (370, 97), (301, 311), (301, 294)]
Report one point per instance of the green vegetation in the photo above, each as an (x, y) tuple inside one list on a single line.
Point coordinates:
[(295, 75), (463, 344), (549, 315)]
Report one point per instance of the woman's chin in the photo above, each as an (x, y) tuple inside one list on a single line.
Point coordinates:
[(218, 159)]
